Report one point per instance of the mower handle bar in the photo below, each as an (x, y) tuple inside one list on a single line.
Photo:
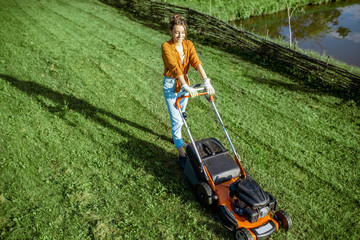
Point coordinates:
[(198, 88), (211, 99)]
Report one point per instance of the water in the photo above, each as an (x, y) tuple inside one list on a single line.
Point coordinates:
[(332, 29)]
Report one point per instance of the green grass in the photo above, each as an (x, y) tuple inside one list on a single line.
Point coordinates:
[(84, 133)]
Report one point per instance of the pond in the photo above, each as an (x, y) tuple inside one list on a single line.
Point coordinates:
[(331, 29)]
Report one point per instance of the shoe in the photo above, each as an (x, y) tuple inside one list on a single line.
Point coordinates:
[(182, 161)]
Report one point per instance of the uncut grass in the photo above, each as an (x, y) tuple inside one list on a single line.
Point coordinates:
[(85, 149)]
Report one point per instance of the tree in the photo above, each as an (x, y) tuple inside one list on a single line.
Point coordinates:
[(290, 13)]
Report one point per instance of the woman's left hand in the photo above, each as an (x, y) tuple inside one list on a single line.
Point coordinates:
[(209, 89)]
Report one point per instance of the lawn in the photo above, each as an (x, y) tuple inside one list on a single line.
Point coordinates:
[(85, 148)]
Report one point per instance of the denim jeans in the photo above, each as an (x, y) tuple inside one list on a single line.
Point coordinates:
[(169, 86)]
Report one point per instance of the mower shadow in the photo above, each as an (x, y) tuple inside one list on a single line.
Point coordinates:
[(143, 154)]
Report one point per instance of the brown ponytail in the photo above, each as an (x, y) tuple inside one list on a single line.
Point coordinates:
[(176, 20)]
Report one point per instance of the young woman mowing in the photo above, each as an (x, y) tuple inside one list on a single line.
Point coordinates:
[(178, 55)]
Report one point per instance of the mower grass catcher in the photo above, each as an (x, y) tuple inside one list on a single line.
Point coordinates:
[(243, 206)]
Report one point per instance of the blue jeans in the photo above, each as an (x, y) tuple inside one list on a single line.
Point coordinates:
[(169, 86)]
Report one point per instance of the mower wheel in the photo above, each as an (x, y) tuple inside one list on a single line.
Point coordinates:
[(204, 194), (243, 234), (284, 220)]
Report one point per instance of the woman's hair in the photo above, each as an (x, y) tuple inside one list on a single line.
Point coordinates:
[(177, 20)]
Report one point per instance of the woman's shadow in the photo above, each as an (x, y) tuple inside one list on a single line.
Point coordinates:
[(147, 155), (64, 101)]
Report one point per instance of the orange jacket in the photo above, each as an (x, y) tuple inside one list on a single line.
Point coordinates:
[(172, 62)]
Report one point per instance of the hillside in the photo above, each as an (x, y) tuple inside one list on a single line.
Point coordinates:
[(85, 148)]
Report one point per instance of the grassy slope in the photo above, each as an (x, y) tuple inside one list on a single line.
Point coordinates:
[(84, 133)]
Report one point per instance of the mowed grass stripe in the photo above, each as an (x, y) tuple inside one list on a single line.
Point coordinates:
[(127, 113), (87, 41), (123, 108), (136, 82)]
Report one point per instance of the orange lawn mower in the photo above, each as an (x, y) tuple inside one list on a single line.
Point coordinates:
[(218, 179)]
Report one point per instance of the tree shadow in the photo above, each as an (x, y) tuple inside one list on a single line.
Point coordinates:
[(305, 88), (294, 87)]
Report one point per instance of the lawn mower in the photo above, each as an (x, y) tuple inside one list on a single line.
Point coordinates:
[(220, 180)]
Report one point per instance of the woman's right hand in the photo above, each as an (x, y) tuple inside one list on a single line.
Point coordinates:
[(190, 90)]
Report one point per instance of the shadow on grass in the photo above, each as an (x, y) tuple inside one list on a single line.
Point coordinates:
[(143, 154), (64, 101), (136, 147), (294, 87)]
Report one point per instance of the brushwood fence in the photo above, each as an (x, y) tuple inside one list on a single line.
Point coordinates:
[(212, 30)]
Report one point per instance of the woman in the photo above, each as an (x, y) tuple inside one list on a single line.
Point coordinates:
[(178, 55)]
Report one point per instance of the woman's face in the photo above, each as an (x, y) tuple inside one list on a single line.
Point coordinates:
[(178, 33)]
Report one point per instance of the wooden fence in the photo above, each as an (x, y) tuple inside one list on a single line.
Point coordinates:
[(212, 30)]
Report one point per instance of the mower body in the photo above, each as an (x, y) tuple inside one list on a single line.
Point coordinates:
[(241, 202), (219, 179)]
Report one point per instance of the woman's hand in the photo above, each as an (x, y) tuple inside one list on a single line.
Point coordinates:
[(210, 90), (190, 90)]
